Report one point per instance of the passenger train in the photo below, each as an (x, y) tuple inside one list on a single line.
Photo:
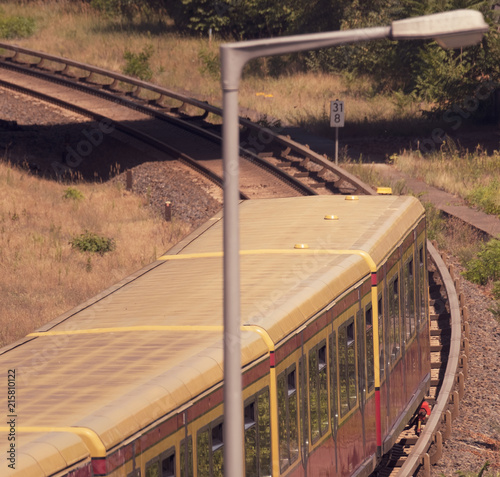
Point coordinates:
[(335, 352)]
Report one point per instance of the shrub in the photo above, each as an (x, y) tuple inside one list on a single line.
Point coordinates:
[(16, 27), (138, 63), (72, 193), (90, 242), (486, 266)]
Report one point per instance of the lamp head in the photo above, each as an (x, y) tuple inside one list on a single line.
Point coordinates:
[(452, 29)]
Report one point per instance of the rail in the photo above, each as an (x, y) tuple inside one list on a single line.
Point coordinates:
[(431, 433), (139, 85)]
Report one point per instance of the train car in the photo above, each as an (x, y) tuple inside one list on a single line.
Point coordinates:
[(335, 352)]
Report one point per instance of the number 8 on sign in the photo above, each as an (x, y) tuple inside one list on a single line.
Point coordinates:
[(337, 114)]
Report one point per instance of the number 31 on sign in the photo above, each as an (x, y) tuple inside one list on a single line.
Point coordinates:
[(337, 114)]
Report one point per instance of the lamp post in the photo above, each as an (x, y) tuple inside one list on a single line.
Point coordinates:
[(452, 29)]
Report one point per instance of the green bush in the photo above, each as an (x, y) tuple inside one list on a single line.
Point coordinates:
[(90, 242), (72, 193), (138, 63), (486, 266), (16, 27)]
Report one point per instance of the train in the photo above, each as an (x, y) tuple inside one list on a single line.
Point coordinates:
[(334, 346)]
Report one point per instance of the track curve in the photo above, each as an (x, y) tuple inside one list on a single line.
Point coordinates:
[(141, 110)]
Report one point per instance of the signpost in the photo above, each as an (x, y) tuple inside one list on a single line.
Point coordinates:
[(337, 121)]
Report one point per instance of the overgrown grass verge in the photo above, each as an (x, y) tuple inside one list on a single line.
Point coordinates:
[(41, 274), (481, 261), (474, 176)]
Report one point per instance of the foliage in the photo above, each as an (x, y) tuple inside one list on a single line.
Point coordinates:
[(486, 266), (90, 242), (16, 27), (486, 197), (137, 64), (210, 62), (435, 222), (484, 468), (238, 20), (73, 193), (127, 9)]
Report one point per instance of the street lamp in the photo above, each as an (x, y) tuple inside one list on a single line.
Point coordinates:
[(450, 29)]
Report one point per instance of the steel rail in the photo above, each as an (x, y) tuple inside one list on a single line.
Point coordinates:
[(430, 430), (416, 458), (139, 85)]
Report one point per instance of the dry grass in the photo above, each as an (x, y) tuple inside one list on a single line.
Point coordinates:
[(473, 176), (41, 275)]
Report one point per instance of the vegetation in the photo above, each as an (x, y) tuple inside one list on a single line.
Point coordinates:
[(16, 26), (42, 274), (73, 194), (474, 176), (91, 242), (138, 63)]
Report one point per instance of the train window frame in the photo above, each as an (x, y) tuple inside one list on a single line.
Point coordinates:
[(334, 404), (347, 342), (288, 434), (150, 464), (421, 285), (304, 406), (369, 348), (409, 298), (214, 428), (381, 341), (318, 371), (168, 455), (186, 454), (199, 472), (394, 299)]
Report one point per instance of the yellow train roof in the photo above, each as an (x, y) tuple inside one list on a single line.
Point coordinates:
[(100, 367)]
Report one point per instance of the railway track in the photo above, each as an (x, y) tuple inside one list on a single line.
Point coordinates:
[(272, 165)]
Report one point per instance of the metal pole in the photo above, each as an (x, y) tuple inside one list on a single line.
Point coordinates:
[(336, 146), (233, 411)]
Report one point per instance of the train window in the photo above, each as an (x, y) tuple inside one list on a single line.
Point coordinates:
[(318, 391), (303, 406), (347, 367), (203, 453), (153, 468), (370, 364), (210, 451), (218, 450), (421, 275), (313, 395), (257, 437), (333, 380), (323, 389), (381, 335), (167, 460), (186, 457), (251, 443), (409, 299), (264, 455), (394, 319), (287, 417)]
